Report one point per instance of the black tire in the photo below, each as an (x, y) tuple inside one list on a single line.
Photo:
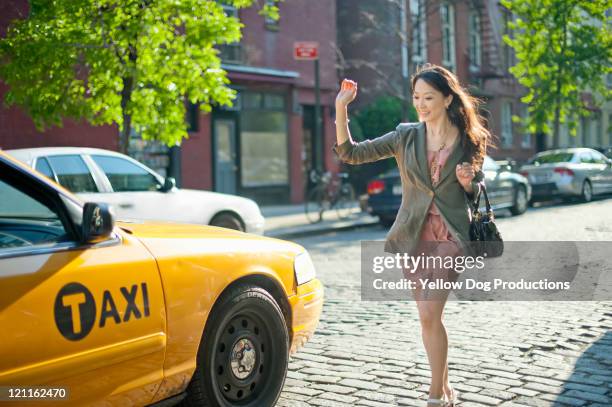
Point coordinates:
[(227, 220), (532, 202), (520, 201), (315, 205), (346, 201), (245, 319), (587, 191)]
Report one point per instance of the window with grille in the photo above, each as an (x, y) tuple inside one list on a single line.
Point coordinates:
[(506, 130), (270, 23), (419, 30), (447, 16), (230, 53), (474, 38), (507, 51), (526, 139)]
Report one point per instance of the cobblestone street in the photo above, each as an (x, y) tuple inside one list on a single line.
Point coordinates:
[(500, 353)]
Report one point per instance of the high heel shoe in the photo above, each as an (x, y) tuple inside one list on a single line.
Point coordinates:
[(453, 401), (438, 402)]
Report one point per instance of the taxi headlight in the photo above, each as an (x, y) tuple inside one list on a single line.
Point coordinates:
[(303, 268)]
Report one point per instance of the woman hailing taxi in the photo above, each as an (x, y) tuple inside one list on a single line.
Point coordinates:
[(438, 159)]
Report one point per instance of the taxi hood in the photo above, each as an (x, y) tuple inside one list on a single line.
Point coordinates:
[(151, 233)]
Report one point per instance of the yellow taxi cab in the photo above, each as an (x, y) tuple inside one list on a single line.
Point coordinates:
[(98, 312)]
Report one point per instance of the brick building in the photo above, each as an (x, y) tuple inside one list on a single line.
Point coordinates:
[(263, 146), (465, 36)]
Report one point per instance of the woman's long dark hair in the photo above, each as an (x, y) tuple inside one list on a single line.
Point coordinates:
[(462, 112)]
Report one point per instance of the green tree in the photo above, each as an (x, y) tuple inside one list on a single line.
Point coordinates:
[(382, 116), (564, 48), (130, 62)]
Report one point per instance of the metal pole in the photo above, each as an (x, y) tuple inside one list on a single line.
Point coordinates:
[(317, 119), (405, 79)]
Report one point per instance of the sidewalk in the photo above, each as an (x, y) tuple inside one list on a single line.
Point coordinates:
[(289, 221)]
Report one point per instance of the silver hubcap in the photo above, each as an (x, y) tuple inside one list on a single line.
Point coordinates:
[(243, 358), (521, 199), (587, 191)]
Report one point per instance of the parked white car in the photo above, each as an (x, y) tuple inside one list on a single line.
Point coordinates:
[(136, 192)]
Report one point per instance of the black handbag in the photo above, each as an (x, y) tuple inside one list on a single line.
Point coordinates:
[(485, 237)]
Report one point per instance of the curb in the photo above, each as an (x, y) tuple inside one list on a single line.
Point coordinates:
[(321, 229)]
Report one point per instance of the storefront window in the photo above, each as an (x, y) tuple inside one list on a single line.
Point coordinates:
[(274, 102), (264, 141), (252, 100)]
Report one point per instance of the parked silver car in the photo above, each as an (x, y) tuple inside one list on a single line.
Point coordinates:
[(568, 172)]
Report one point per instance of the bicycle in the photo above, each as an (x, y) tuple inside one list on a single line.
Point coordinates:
[(330, 192)]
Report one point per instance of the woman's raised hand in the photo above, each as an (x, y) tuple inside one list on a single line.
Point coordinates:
[(348, 92)]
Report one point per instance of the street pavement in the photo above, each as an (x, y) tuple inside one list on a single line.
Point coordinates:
[(513, 353)]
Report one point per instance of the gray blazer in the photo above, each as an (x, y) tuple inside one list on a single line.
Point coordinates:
[(407, 144)]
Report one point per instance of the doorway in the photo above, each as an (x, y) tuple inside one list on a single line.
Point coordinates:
[(224, 155)]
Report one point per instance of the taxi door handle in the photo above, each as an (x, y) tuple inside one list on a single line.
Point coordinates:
[(126, 205)]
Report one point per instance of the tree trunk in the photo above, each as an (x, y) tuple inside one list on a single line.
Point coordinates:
[(557, 124), (561, 71), (126, 95), (540, 141), (124, 137)]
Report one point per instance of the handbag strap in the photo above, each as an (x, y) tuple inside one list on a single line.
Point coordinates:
[(483, 188)]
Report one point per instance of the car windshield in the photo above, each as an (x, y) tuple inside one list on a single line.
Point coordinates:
[(552, 158)]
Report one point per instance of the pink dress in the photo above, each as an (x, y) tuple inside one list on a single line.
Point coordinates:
[(434, 228), (436, 239)]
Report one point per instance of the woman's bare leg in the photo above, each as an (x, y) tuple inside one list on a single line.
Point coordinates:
[(446, 388), (435, 339)]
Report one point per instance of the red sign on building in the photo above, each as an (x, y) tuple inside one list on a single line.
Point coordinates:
[(306, 50)]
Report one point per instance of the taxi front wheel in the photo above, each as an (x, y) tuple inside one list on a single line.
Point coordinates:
[(243, 355)]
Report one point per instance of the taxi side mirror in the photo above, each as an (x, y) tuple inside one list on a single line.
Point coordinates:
[(98, 222)]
